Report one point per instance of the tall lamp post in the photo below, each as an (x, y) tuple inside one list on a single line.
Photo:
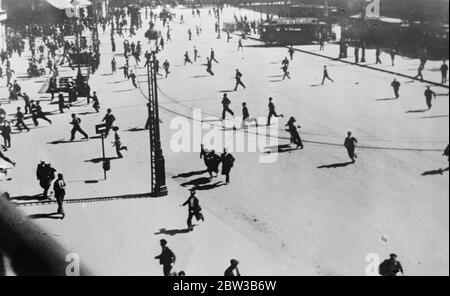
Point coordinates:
[(157, 162)]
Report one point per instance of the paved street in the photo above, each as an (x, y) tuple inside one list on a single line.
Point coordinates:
[(308, 213)]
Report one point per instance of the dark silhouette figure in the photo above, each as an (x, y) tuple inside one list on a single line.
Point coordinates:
[(377, 55), (59, 187), (326, 75), (166, 258), (295, 136), (444, 70), (77, 128), (233, 270), (45, 175), (212, 161), (391, 266), (227, 164), (20, 120), (350, 145), (226, 106), (109, 121), (272, 112), (238, 77), (117, 143), (194, 210), (429, 94), (396, 86)]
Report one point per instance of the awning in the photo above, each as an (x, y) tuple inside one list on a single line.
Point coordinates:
[(64, 4)]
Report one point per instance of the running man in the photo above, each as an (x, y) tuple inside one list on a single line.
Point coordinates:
[(238, 77), (350, 145), (77, 128), (226, 106), (246, 117), (325, 75), (272, 112), (429, 94)]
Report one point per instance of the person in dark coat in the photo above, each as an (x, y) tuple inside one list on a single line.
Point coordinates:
[(272, 112), (61, 103), (45, 174), (238, 78), (396, 86), (166, 258), (52, 87), (227, 164), (233, 270), (295, 136), (118, 143), (6, 133), (391, 266), (40, 114), (59, 187), (27, 107), (77, 128), (429, 94), (444, 70), (20, 120), (226, 106), (95, 102), (33, 111), (350, 145), (212, 161), (194, 210), (109, 121), (209, 66), (246, 116)]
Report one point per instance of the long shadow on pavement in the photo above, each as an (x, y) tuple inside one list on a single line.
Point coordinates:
[(437, 116), (136, 129), (200, 76), (387, 99), (27, 197), (209, 186), (100, 159), (190, 174), (335, 165), (417, 111), (62, 141), (45, 216), (280, 149), (172, 232), (435, 172), (197, 182)]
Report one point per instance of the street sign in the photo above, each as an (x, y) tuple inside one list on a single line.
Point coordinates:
[(100, 128)]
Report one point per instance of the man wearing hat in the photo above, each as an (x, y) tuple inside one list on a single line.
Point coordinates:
[(391, 266), (233, 269), (194, 209)]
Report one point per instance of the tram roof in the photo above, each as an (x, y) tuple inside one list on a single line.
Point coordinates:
[(294, 21)]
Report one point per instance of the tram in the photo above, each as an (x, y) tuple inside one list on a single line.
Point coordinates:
[(296, 31)]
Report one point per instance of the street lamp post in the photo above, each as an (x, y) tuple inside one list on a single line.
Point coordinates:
[(157, 162)]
